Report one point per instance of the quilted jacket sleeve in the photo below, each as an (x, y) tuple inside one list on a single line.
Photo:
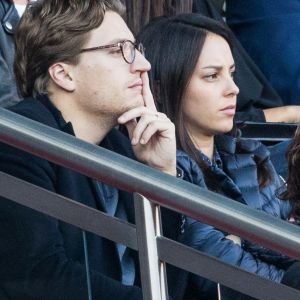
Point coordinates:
[(213, 241)]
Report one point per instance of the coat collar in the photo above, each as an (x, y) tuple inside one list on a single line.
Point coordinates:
[(228, 145), (114, 141), (62, 124)]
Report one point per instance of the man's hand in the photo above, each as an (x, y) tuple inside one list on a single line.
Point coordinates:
[(152, 135)]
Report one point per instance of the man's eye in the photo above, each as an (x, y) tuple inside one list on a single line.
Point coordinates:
[(115, 51)]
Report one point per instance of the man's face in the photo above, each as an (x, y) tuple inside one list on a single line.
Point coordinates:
[(106, 85)]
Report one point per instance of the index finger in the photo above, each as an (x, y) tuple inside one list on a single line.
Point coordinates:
[(147, 94)]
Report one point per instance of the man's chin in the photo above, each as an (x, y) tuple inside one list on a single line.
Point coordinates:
[(131, 105), (138, 101)]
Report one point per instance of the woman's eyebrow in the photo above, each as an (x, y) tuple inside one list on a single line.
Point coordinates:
[(217, 67), (213, 67)]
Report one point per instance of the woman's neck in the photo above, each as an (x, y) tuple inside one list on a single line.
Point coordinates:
[(204, 143)]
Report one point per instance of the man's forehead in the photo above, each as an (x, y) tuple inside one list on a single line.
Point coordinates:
[(112, 30)]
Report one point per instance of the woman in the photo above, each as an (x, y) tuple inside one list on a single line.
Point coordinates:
[(192, 80)]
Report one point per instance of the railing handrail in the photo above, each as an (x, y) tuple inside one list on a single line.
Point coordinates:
[(124, 173), (154, 249), (119, 231), (267, 132)]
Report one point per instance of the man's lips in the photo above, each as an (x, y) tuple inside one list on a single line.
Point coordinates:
[(136, 84), (229, 110)]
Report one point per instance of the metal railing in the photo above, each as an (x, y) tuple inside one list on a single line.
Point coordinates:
[(145, 236), (271, 132)]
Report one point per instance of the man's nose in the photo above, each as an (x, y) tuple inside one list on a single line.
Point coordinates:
[(140, 63)]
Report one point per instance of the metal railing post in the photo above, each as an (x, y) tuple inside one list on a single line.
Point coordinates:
[(148, 227)]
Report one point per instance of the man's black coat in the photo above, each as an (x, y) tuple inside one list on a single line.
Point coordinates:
[(40, 257)]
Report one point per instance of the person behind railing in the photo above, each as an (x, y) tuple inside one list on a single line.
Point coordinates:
[(10, 12), (268, 30), (292, 192), (293, 181), (192, 78), (81, 72)]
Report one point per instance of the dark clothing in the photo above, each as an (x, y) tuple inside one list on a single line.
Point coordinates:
[(256, 93), (292, 276), (9, 20), (236, 174), (269, 31), (41, 257), (279, 157)]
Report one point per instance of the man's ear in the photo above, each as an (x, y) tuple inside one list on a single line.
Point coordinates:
[(61, 75)]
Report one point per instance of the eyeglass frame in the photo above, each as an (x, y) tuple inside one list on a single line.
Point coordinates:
[(136, 46)]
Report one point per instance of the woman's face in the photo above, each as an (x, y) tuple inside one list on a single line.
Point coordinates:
[(209, 101)]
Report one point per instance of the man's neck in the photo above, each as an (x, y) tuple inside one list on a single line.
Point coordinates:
[(91, 130), (87, 127)]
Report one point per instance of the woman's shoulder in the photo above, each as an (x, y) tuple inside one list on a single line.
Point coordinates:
[(184, 161), (191, 171)]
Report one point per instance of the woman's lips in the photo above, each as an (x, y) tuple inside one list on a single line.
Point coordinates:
[(229, 110)]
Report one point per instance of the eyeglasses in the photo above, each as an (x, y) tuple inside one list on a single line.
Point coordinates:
[(128, 49)]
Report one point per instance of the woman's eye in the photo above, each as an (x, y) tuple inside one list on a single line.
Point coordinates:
[(211, 76), (232, 74)]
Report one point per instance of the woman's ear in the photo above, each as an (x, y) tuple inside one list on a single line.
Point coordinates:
[(61, 75)]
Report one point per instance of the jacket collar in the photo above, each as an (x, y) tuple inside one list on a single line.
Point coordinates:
[(230, 145), (114, 140), (225, 143), (62, 124)]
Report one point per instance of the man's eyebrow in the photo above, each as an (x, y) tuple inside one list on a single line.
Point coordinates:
[(119, 40)]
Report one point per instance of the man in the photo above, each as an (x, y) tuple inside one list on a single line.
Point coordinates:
[(78, 66), (10, 12)]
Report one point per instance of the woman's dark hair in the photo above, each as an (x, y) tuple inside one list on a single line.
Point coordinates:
[(173, 46), (292, 192)]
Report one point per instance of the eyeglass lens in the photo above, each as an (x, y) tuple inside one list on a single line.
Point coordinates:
[(128, 51)]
